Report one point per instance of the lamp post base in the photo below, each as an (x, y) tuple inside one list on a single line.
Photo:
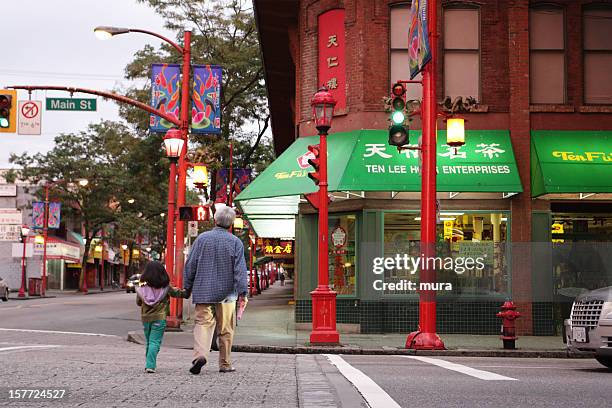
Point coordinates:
[(419, 340), (173, 324), (324, 317)]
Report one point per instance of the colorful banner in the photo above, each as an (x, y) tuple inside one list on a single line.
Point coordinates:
[(419, 53), (38, 214), (240, 177), (332, 60), (165, 87), (55, 210), (206, 105)]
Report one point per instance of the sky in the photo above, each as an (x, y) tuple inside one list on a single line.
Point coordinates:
[(51, 42)]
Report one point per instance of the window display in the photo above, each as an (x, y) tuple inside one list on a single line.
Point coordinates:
[(342, 261)]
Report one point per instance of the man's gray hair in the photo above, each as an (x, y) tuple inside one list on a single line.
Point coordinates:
[(225, 216)]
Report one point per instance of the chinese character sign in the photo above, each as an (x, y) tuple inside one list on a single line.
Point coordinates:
[(419, 53), (273, 247), (206, 107), (38, 214), (55, 210), (240, 179), (332, 61), (165, 87)]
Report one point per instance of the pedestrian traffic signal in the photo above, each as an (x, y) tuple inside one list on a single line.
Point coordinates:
[(398, 133), (8, 111), (315, 151), (194, 213)]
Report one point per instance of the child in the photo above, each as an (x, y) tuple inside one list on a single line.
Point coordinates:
[(154, 299)]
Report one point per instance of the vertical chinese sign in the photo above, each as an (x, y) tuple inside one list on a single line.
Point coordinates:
[(332, 60), (165, 87), (419, 53), (206, 107)]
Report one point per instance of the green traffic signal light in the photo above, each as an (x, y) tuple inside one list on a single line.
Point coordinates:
[(398, 117), (4, 123)]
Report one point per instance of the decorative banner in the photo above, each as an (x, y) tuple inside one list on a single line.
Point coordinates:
[(206, 106), (38, 214), (165, 87), (332, 60), (419, 53), (55, 210), (241, 178), (277, 247)]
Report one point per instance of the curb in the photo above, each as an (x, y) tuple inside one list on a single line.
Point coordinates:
[(135, 337)]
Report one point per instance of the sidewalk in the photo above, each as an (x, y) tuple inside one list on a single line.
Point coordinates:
[(54, 293), (268, 327)]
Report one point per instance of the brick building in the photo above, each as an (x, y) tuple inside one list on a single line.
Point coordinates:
[(541, 73)]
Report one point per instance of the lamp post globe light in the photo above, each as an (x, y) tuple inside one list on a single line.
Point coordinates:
[(25, 231), (323, 298)]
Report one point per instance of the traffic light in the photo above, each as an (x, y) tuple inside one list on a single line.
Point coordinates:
[(398, 133), (194, 213), (315, 150), (8, 111)]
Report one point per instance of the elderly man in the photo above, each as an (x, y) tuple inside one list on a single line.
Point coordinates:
[(216, 275)]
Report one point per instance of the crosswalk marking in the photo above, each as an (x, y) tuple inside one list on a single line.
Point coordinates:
[(60, 332), (13, 348), (481, 374), (375, 396)]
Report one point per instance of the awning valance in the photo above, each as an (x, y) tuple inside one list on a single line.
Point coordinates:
[(363, 161), (571, 162)]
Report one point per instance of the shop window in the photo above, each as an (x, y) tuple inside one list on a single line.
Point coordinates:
[(460, 235), (400, 15), (461, 53), (597, 37), (547, 55), (342, 261)]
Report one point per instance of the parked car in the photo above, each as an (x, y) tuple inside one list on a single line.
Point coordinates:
[(4, 290), (589, 328), (132, 283)]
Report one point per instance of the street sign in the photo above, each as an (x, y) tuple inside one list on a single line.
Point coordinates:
[(193, 229), (71, 104), (29, 119)]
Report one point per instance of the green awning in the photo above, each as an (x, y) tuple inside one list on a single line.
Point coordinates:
[(363, 161), (571, 162)]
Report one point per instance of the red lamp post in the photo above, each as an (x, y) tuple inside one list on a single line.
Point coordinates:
[(25, 231), (173, 144), (323, 298), (426, 338)]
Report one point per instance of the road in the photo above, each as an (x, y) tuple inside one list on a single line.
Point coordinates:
[(78, 343)]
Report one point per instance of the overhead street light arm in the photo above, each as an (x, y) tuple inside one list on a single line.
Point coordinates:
[(109, 95), (111, 31)]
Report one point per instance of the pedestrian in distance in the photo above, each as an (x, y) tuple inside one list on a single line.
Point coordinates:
[(216, 275), (153, 297), (282, 278)]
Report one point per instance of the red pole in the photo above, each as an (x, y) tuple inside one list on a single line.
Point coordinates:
[(426, 337), (251, 282), (171, 320), (182, 171), (323, 299), (23, 269), (45, 235), (102, 260), (231, 174)]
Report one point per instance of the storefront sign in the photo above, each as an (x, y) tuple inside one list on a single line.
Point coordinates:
[(10, 232), (338, 237), (59, 250), (10, 216), (277, 247), (332, 60), (8, 190)]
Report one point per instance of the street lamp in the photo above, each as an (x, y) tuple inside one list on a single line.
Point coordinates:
[(200, 176), (455, 132), (176, 274), (323, 298), (25, 231)]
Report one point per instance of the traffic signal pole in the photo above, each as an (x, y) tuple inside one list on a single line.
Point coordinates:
[(426, 338)]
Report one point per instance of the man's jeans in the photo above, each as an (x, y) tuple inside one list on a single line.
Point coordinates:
[(207, 315), (154, 332)]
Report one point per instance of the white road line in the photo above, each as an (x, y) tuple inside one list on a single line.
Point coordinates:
[(60, 332), (483, 375), (375, 396), (27, 347)]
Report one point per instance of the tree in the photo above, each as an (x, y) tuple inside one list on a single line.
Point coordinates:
[(225, 34), (113, 161)]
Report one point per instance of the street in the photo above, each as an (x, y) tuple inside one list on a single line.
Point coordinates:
[(77, 343)]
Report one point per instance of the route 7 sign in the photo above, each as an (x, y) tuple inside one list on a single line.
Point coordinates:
[(29, 117)]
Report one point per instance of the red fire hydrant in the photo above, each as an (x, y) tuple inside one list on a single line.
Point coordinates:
[(508, 331)]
